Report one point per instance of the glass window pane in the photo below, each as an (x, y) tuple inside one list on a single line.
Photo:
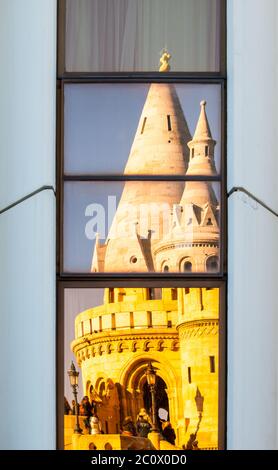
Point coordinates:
[(112, 334), (131, 35), (141, 226), (142, 129)]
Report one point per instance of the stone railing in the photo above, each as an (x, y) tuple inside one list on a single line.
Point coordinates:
[(96, 320)]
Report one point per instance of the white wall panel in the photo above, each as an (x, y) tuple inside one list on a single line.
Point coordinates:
[(253, 97), (252, 326), (27, 332), (27, 90)]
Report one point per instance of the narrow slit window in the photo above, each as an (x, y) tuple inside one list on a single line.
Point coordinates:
[(189, 374), (206, 150), (169, 122), (143, 125), (111, 296), (212, 364)]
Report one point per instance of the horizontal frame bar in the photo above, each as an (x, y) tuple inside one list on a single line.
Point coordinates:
[(132, 278), (111, 177)]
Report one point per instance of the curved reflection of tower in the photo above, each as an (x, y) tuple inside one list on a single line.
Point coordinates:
[(177, 329), (166, 225)]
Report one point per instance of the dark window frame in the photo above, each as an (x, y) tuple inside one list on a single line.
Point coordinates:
[(91, 280)]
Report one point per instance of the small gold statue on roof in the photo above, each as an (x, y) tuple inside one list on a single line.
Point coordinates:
[(164, 61)]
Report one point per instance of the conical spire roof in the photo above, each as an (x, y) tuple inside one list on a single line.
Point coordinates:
[(202, 131), (144, 210), (160, 143)]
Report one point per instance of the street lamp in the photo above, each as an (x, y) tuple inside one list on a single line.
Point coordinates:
[(151, 379), (73, 377)]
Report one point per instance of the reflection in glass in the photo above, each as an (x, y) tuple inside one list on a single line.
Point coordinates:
[(142, 129), (112, 334), (129, 35), (141, 226)]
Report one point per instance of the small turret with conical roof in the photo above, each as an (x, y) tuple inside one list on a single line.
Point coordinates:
[(202, 147), (192, 243)]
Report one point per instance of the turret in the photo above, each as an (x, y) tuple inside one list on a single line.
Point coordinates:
[(192, 243), (198, 335)]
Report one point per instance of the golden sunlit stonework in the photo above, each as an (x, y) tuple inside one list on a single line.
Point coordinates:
[(178, 333), (174, 328)]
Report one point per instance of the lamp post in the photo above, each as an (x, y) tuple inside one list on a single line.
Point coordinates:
[(151, 379), (73, 377)]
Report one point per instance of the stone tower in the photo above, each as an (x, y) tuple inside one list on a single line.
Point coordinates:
[(144, 210), (198, 338), (192, 243)]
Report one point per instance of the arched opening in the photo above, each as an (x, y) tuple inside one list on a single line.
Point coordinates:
[(160, 396), (187, 267), (212, 264)]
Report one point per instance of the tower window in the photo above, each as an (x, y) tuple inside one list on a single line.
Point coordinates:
[(212, 364), (174, 294), (212, 264), (121, 296), (169, 122), (209, 222), (206, 150), (143, 125), (192, 153), (166, 269), (111, 296), (187, 267), (133, 259), (154, 293), (189, 374)]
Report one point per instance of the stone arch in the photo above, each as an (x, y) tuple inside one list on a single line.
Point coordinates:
[(147, 345), (100, 379), (183, 262), (212, 263), (160, 345), (88, 385), (134, 346), (175, 345), (165, 266), (132, 379)]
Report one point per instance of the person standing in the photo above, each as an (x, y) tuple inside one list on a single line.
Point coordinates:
[(143, 423)]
